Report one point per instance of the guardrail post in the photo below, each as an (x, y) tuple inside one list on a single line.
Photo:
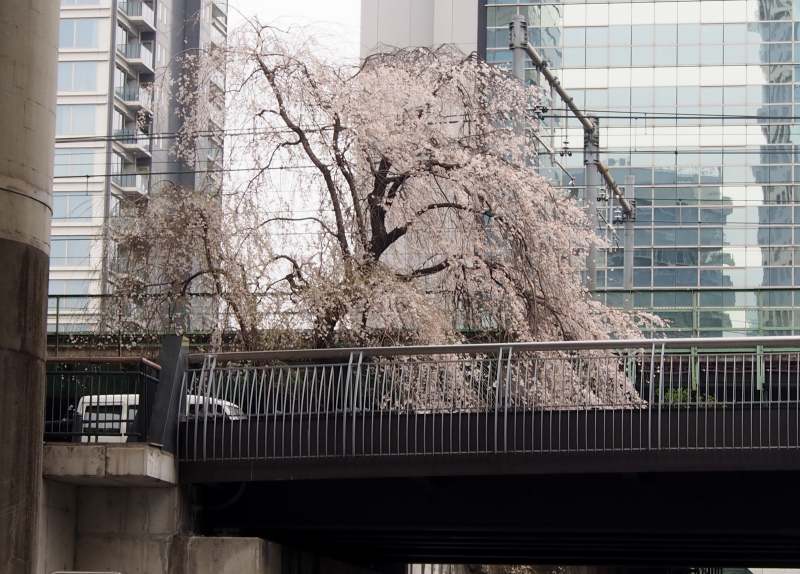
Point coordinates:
[(499, 393), (507, 399), (760, 370), (651, 397), (164, 414), (660, 392), (347, 381), (355, 398)]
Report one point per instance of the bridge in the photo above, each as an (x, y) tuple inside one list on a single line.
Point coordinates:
[(644, 452)]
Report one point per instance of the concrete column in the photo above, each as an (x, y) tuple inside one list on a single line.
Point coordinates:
[(28, 53)]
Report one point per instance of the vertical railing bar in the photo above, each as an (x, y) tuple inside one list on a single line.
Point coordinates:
[(267, 395), (506, 400), (373, 408), (312, 409), (660, 393), (364, 396), (522, 402), (449, 397), (328, 405), (688, 395), (797, 399), (344, 403), (725, 396), (384, 370), (288, 385), (275, 398), (260, 374)]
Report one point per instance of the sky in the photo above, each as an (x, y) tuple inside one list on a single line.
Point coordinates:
[(335, 23)]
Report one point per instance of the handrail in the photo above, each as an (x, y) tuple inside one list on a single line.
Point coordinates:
[(120, 360), (481, 348)]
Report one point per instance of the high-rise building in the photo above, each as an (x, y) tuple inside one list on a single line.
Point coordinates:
[(113, 137), (696, 100)]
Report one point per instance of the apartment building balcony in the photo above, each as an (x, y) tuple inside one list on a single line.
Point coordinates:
[(135, 98), (133, 141), (135, 184), (222, 5), (219, 17), (218, 79), (218, 38), (138, 55), (140, 14)]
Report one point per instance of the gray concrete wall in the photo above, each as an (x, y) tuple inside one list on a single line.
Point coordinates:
[(58, 521), (28, 56), (228, 555), (129, 530)]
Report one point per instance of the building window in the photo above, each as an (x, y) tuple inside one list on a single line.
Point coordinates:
[(72, 206), (77, 77), (80, 2), (70, 251), (68, 289), (77, 33), (71, 162), (122, 35), (75, 120)]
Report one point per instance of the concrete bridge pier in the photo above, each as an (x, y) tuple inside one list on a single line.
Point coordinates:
[(118, 507), (28, 54)]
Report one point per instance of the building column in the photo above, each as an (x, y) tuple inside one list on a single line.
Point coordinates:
[(28, 55)]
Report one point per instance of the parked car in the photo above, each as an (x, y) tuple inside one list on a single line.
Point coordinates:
[(113, 418)]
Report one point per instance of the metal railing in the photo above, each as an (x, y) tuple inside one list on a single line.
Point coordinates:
[(137, 51), (587, 396), (106, 399), (78, 324), (134, 94), (138, 9), (136, 181), (132, 136)]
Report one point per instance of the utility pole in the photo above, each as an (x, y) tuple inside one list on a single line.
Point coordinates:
[(28, 51), (596, 170), (627, 279), (594, 181)]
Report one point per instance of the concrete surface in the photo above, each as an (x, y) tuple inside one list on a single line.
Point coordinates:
[(130, 530), (130, 464), (57, 527), (228, 555), (28, 55)]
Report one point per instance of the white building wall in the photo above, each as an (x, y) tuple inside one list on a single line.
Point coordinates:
[(389, 24)]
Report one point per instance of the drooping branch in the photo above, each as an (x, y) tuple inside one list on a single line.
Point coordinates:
[(344, 168), (341, 230)]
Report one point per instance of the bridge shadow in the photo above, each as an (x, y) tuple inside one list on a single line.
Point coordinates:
[(695, 518)]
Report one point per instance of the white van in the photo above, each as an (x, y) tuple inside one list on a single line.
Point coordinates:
[(108, 417)]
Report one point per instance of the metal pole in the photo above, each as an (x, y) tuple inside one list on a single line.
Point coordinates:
[(519, 42), (591, 157), (518, 39), (58, 321), (628, 263)]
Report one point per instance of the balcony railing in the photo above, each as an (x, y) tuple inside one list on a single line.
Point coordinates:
[(134, 95), (136, 10), (142, 51), (134, 181), (133, 137)]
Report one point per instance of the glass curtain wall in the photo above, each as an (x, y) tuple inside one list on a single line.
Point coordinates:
[(698, 101)]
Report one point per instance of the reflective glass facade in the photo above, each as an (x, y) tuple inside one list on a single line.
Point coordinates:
[(699, 102)]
